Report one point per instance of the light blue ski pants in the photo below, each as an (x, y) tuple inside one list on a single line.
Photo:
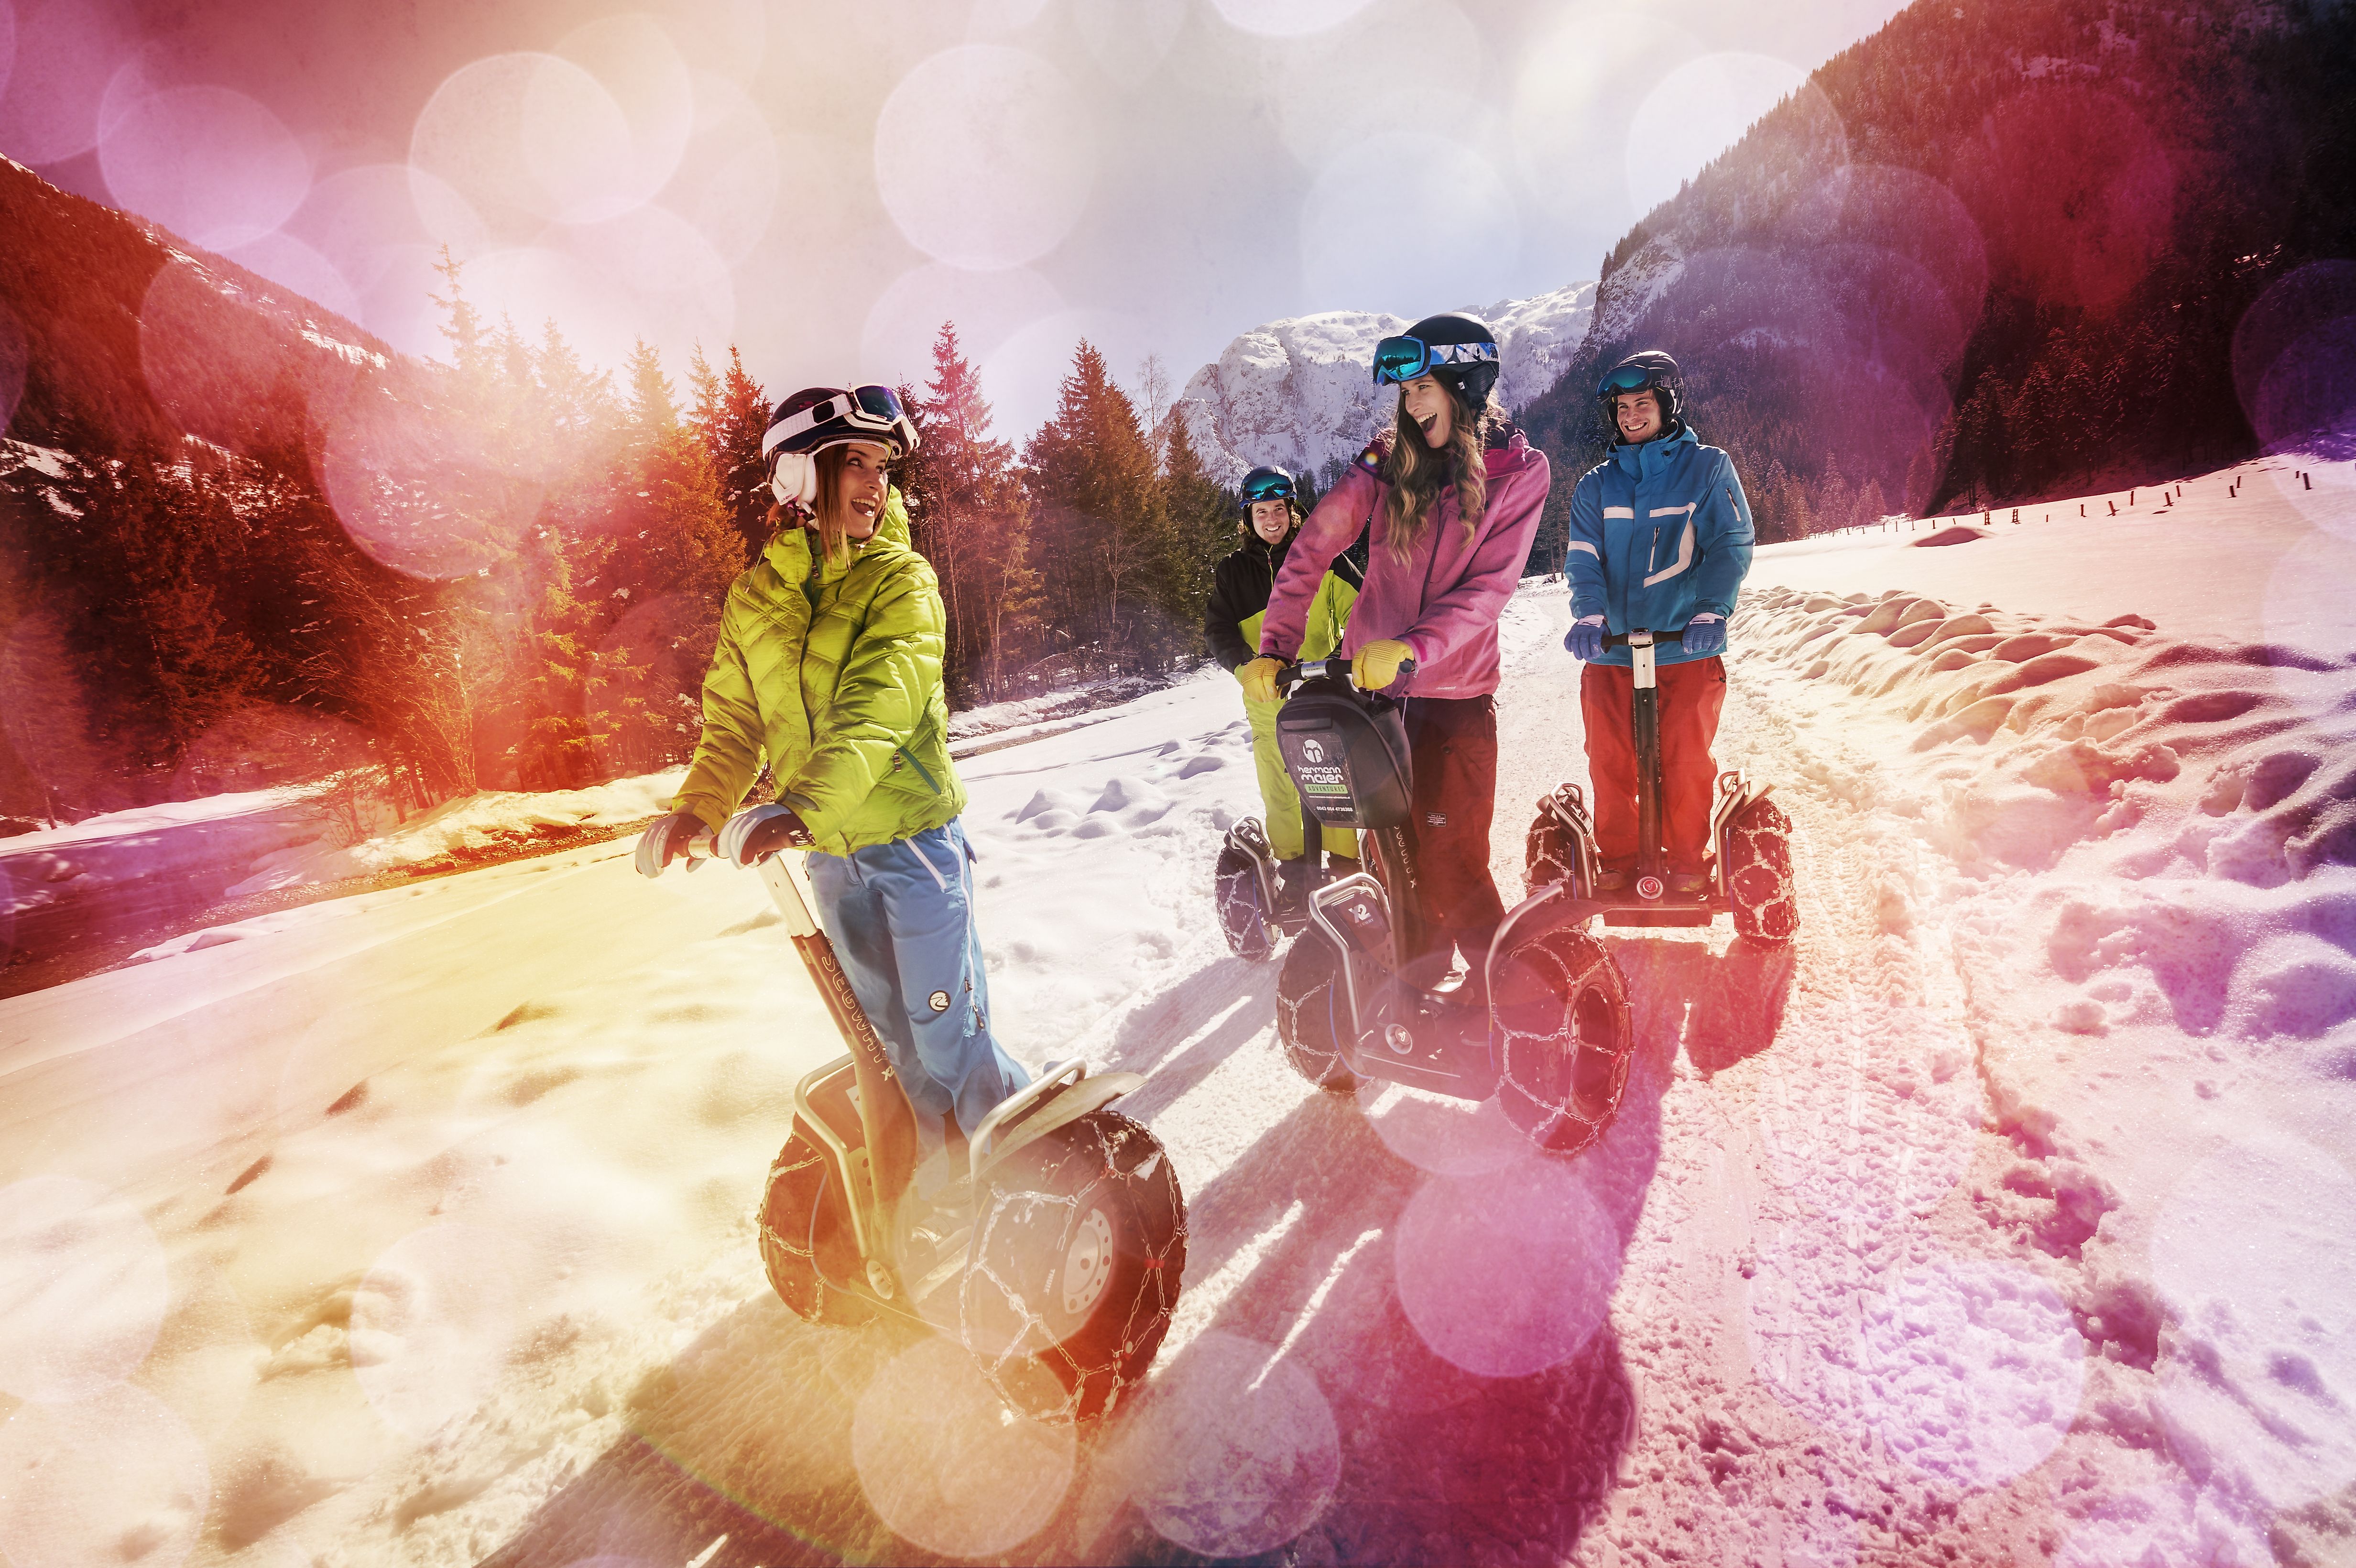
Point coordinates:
[(901, 918)]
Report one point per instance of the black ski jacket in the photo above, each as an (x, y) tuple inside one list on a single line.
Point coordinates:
[(1240, 585)]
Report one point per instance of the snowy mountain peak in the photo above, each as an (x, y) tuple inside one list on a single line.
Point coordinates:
[(1299, 392)]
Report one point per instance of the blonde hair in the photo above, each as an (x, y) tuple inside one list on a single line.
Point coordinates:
[(1415, 473)]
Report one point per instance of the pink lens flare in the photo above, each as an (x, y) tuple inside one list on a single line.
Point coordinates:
[(1235, 1452), (410, 492), (1509, 1273), (947, 1465), (2294, 358), (305, 276), (1444, 1136), (66, 52), (2073, 192), (205, 163), (116, 1476), (85, 1282)]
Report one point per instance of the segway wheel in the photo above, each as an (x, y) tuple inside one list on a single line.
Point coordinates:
[(1078, 1246), (1565, 1039), (1759, 873), (1310, 1016), (1243, 920), (806, 1239)]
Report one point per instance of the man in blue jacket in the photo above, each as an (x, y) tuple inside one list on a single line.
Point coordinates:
[(1660, 541)]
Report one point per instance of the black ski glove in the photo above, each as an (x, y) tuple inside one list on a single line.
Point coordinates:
[(755, 834), (665, 840)]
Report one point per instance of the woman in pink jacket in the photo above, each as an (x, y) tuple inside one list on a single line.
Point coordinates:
[(1453, 494)]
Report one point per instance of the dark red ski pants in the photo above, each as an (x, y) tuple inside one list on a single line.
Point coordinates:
[(1692, 695), (1452, 742)]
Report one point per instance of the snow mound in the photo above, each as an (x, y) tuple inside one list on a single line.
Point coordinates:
[(478, 822)]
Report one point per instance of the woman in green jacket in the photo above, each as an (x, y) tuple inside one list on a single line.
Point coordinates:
[(829, 667)]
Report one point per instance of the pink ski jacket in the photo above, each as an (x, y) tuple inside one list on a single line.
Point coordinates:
[(1445, 602)]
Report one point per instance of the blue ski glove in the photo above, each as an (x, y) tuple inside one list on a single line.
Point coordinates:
[(754, 834), (1704, 636), (665, 840), (1585, 639)]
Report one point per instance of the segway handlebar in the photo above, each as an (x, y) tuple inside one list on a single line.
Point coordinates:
[(1623, 639), (1292, 675)]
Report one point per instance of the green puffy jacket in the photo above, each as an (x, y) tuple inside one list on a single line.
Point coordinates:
[(834, 676)]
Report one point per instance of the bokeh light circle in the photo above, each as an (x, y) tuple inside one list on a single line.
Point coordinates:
[(65, 52), (83, 1287), (1128, 40), (1901, 211), (663, 279), (984, 156), (2293, 360), (525, 138), (1695, 112), (2255, 1255), (728, 180), (114, 1477), (1440, 1133), (300, 270), (431, 1325), (413, 492), (205, 163), (1409, 222), (1509, 1273), (1236, 1452), (947, 1465), (1286, 18), (1575, 89), (602, 148), (1322, 98), (1965, 1368)]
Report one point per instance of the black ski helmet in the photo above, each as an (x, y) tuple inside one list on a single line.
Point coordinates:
[(819, 416), (1458, 350), (1268, 483), (1647, 370)]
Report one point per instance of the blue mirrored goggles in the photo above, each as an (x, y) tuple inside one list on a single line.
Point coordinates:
[(1273, 487), (1628, 378), (1403, 358)]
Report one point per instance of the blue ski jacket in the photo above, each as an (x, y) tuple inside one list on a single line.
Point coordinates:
[(1659, 533)]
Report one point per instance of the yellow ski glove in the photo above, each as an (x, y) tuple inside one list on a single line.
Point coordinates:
[(1377, 664), (1260, 678)]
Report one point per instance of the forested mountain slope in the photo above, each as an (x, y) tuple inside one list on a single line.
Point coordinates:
[(2004, 250)]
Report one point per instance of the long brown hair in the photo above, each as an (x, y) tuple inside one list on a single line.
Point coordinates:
[(1416, 473)]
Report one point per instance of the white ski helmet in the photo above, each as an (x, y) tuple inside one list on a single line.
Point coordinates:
[(819, 416)]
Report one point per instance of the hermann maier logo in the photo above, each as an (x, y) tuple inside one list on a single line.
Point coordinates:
[(1313, 751)]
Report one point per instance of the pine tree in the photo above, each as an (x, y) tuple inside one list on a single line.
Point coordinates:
[(972, 522), (730, 417), (654, 408), (1092, 477)]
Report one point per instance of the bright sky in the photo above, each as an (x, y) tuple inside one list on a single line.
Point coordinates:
[(823, 183)]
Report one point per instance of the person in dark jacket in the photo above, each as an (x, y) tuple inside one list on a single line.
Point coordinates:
[(1231, 622)]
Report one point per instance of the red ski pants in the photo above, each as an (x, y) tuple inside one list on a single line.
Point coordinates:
[(1452, 742), (1692, 695)]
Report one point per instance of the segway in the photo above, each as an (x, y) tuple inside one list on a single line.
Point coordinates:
[(1248, 884), (1544, 1028), (1054, 1255), (1750, 872)]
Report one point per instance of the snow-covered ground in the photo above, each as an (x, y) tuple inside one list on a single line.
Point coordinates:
[(2004, 1217)]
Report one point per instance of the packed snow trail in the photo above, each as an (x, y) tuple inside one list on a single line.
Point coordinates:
[(1992, 1222)]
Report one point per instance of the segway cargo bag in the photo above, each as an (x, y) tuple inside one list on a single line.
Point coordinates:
[(1347, 754)]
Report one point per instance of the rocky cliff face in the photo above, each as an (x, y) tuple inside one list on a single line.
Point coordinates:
[(1299, 392)]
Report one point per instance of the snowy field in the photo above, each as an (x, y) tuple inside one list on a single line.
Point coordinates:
[(2006, 1217)]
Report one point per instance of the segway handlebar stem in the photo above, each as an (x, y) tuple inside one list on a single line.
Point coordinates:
[(1292, 675)]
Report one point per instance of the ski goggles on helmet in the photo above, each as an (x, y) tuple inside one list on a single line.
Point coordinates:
[(861, 411), (1629, 378), (1267, 487), (1403, 358)]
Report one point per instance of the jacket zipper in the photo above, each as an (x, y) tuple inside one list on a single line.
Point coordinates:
[(921, 772)]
